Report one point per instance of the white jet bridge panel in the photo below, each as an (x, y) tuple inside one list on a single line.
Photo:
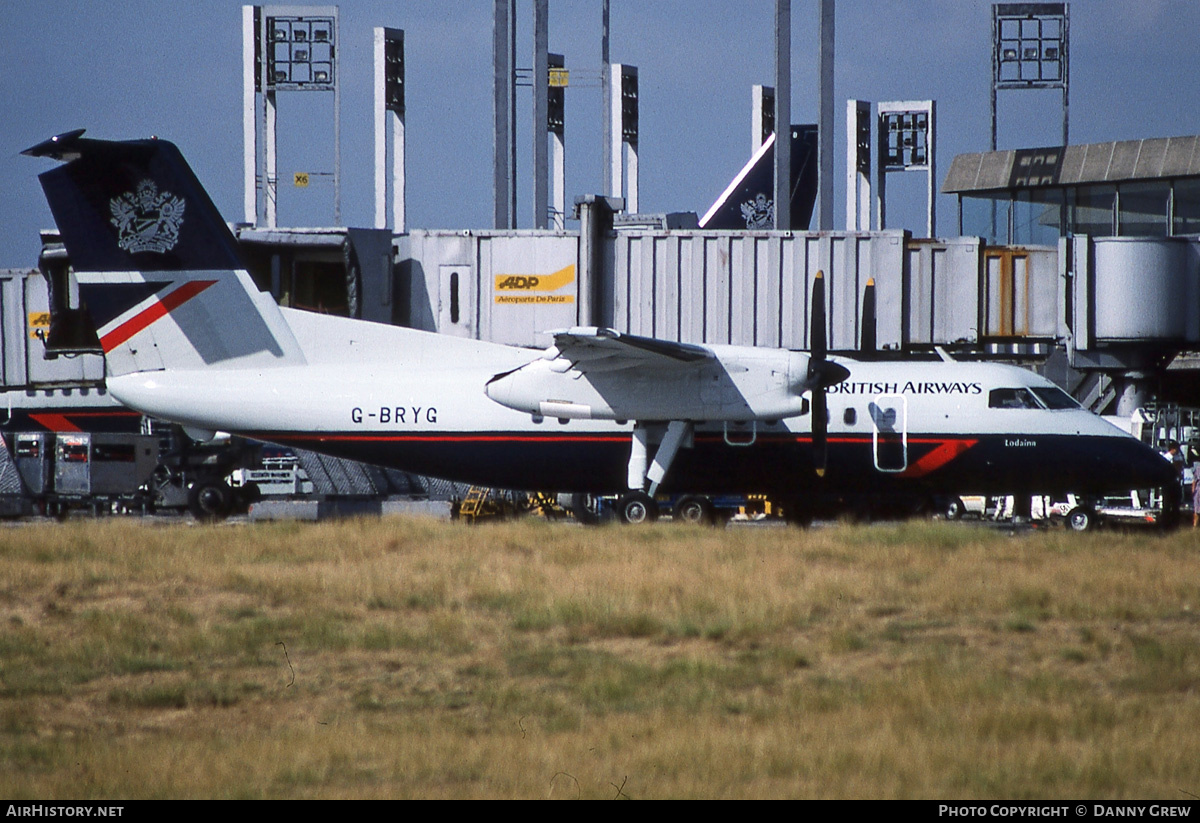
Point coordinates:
[(942, 290), (528, 285), (731, 287), (1020, 292), (752, 288)]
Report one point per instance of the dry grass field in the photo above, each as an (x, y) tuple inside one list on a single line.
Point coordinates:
[(403, 658)]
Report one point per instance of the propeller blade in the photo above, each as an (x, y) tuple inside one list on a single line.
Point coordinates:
[(821, 373), (867, 344), (820, 431), (817, 344)]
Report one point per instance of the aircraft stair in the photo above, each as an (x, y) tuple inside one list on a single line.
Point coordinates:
[(1096, 392), (477, 504)]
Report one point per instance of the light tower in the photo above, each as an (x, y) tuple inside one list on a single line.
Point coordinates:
[(556, 121), (907, 131), (1031, 50), (389, 112), (285, 49), (623, 134), (858, 165)]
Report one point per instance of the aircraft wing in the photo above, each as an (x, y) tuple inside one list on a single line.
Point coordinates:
[(589, 349)]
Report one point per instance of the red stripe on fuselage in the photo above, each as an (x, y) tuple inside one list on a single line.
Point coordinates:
[(155, 311), (61, 421), (55, 422), (940, 456)]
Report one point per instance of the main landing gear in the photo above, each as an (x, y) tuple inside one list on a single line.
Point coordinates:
[(637, 505), (695, 508)]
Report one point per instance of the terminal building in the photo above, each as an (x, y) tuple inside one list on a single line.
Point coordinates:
[(1132, 188)]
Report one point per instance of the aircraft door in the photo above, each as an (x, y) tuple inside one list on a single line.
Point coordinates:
[(1007, 283), (456, 308), (889, 432)]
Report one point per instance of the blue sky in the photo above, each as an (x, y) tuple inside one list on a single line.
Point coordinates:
[(133, 68)]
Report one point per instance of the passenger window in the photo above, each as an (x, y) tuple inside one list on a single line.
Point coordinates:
[(1011, 399), (850, 417)]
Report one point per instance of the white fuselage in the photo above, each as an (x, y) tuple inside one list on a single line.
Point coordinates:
[(417, 401)]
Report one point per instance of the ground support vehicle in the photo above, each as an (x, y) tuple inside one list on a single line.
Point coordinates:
[(105, 473)]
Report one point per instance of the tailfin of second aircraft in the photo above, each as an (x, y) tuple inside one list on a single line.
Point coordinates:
[(747, 202), (158, 269)]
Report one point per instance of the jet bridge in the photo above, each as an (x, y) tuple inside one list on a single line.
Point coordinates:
[(734, 287)]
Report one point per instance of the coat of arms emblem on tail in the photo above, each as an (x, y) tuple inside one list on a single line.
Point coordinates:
[(147, 220)]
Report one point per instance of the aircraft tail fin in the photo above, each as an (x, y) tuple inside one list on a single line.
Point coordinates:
[(747, 202), (158, 269)]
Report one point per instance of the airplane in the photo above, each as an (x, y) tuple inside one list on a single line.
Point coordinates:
[(188, 337)]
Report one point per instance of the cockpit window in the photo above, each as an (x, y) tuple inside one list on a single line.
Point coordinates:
[(1031, 398), (1055, 398), (1012, 399)]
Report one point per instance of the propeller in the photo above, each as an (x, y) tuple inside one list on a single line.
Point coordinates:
[(821, 375)]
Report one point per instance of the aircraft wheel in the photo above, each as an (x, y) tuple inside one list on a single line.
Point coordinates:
[(694, 508), (1081, 519), (586, 508), (637, 507), (210, 500)]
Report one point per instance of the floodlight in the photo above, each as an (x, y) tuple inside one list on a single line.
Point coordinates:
[(293, 62), (1030, 45), (907, 141)]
